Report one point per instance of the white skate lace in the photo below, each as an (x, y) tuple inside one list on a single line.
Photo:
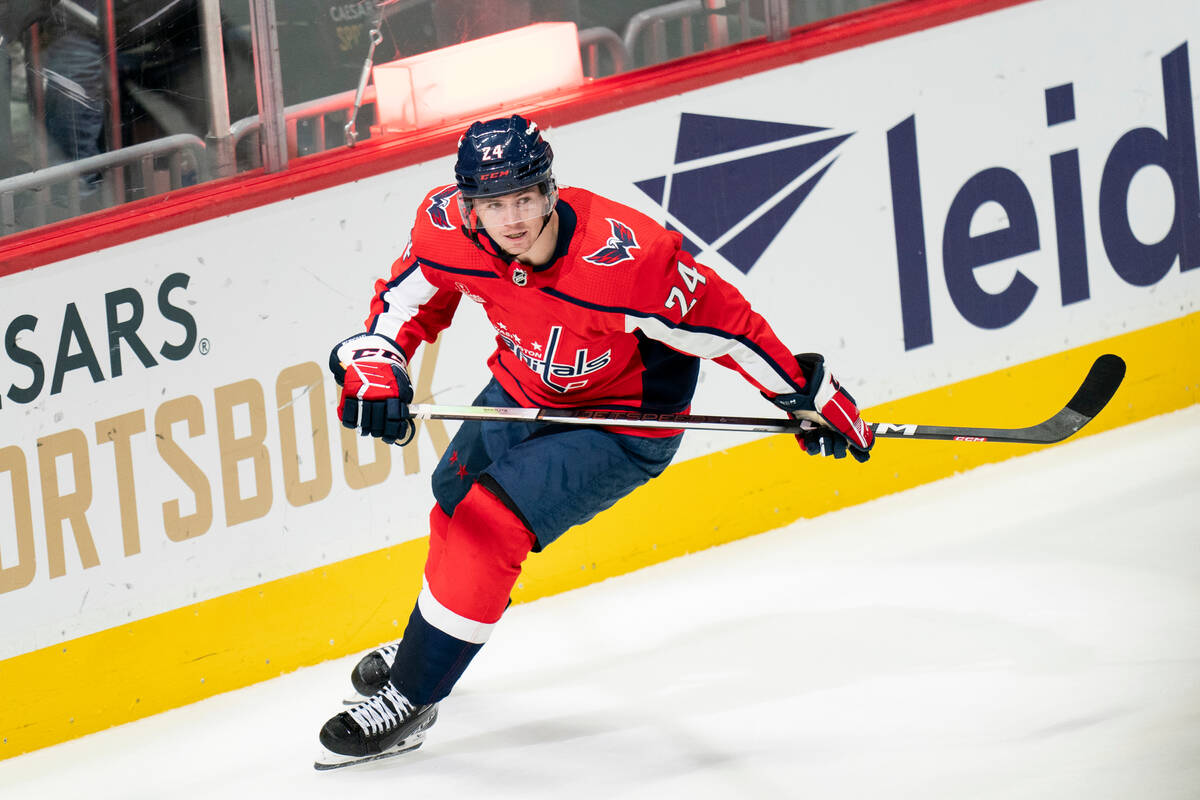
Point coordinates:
[(381, 712), (388, 653)]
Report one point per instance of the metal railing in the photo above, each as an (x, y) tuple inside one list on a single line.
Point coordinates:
[(651, 26), (814, 10), (58, 192), (311, 117), (309, 123), (61, 191), (592, 41)]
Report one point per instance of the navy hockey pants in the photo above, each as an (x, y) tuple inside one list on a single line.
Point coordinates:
[(556, 475)]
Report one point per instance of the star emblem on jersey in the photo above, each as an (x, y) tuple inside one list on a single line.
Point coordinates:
[(437, 208), (737, 182), (617, 248)]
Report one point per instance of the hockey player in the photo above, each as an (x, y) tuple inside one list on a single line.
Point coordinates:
[(594, 305)]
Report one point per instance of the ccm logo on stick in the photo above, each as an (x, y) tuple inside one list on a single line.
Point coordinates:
[(882, 428)]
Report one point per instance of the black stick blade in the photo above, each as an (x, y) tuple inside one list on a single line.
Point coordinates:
[(1098, 386)]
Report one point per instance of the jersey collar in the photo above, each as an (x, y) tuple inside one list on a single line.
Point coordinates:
[(567, 220)]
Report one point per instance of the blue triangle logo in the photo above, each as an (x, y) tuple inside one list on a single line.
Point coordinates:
[(748, 246), (702, 135), (710, 201), (654, 187)]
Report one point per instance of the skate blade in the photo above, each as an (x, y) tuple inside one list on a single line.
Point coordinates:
[(328, 760)]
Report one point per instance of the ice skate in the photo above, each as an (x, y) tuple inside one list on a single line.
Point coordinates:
[(384, 725), (370, 674)]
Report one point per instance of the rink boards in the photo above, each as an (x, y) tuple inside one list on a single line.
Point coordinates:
[(179, 518)]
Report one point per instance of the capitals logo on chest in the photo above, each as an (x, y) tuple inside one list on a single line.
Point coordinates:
[(618, 247), (557, 375)]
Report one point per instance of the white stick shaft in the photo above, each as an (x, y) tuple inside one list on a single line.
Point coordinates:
[(632, 419)]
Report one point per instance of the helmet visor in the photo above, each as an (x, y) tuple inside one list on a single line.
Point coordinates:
[(507, 210)]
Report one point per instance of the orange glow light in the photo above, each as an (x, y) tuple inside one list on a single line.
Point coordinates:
[(474, 76)]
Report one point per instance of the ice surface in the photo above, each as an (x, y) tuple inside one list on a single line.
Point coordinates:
[(1028, 630)]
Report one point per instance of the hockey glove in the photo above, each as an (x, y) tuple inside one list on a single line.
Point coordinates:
[(375, 387), (832, 426)]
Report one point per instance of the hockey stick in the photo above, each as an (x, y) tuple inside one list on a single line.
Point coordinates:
[(1098, 387), (1093, 394)]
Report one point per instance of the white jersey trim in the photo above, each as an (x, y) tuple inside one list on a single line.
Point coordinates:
[(403, 302), (450, 623), (711, 345)]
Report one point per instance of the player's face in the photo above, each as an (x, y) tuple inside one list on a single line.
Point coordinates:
[(514, 220)]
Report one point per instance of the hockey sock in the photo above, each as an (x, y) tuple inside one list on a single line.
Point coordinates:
[(429, 661), (465, 592)]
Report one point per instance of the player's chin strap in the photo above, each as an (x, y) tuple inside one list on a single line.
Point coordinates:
[(478, 235), (545, 222), (487, 244)]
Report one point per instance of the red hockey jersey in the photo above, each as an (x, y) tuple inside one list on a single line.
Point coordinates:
[(616, 320)]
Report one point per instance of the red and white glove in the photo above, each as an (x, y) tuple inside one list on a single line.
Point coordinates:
[(833, 424), (374, 377)]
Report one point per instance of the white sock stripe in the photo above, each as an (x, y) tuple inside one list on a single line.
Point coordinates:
[(448, 622)]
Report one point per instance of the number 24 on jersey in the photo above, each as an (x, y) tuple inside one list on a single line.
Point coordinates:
[(691, 278)]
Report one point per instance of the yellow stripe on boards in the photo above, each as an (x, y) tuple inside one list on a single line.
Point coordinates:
[(171, 659), (181, 656)]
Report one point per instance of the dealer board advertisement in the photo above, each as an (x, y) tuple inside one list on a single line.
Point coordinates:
[(922, 210)]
